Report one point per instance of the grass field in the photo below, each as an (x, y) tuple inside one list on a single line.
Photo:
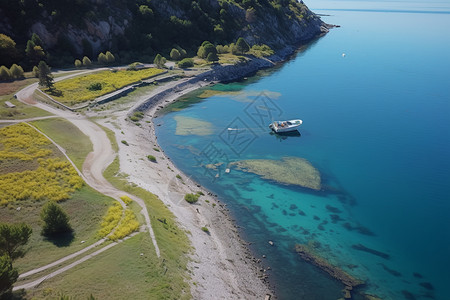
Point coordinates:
[(21, 111), (80, 89), (68, 136)]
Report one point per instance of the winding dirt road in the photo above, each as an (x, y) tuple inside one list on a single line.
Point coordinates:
[(93, 167)]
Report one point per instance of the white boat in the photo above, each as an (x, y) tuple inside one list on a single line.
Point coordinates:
[(285, 126)]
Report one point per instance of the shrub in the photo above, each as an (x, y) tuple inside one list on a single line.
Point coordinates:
[(205, 229), (191, 198), (175, 54), (5, 74), (110, 57), (78, 63), (16, 71), (126, 199), (212, 57), (159, 61), (86, 61), (128, 225), (151, 158), (156, 149), (36, 71), (205, 49), (124, 142), (95, 86), (111, 219), (102, 58), (186, 63), (178, 176)]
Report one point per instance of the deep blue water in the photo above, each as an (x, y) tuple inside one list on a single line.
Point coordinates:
[(376, 126)]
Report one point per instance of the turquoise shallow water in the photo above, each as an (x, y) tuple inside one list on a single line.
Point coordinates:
[(377, 127)]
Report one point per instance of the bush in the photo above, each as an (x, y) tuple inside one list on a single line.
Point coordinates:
[(212, 57), (86, 61), (102, 58), (205, 229), (124, 142), (191, 198), (16, 71), (126, 199), (186, 63), (36, 71), (5, 74), (175, 54), (151, 158), (110, 57), (95, 86), (156, 149), (78, 63), (56, 221), (205, 49), (159, 61)]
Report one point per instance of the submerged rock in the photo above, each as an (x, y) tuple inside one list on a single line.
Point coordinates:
[(288, 170), (192, 126), (308, 254)]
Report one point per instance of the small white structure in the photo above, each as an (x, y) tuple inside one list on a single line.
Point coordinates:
[(9, 104)]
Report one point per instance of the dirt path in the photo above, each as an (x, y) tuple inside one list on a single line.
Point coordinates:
[(93, 167)]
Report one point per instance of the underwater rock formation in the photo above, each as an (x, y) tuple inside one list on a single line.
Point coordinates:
[(308, 254), (192, 126), (363, 248), (288, 170)]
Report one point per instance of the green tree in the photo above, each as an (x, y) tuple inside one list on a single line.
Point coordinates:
[(56, 221), (8, 51), (16, 71), (159, 61), (34, 50), (175, 54), (78, 63), (12, 237), (86, 61), (4, 73), (205, 49), (45, 75), (36, 71), (212, 56), (8, 275), (102, 58), (242, 46), (110, 57), (186, 63)]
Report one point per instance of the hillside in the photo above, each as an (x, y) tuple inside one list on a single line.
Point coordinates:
[(138, 29)]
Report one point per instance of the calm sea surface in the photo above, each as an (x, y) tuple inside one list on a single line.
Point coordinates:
[(376, 126)]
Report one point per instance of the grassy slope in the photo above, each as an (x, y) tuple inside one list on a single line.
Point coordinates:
[(76, 143)]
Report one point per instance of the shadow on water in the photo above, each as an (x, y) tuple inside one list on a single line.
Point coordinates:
[(281, 136)]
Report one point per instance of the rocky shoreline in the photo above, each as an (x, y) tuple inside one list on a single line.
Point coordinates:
[(242, 275)]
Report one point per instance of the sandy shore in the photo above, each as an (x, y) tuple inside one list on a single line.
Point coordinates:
[(222, 267)]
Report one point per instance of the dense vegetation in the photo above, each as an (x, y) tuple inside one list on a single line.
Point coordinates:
[(137, 29)]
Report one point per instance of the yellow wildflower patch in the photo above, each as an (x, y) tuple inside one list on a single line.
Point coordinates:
[(111, 219), (76, 90), (128, 225)]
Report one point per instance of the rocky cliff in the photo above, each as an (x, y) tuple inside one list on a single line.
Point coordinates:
[(86, 27)]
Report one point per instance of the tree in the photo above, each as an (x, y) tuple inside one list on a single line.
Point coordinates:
[(78, 63), (110, 57), (102, 58), (186, 63), (8, 51), (175, 54), (8, 275), (159, 61), (56, 221), (16, 71), (36, 71), (205, 49), (12, 237), (45, 75), (212, 56), (86, 61), (34, 50), (4, 73), (242, 46)]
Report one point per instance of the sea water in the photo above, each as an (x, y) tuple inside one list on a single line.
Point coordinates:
[(374, 96)]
